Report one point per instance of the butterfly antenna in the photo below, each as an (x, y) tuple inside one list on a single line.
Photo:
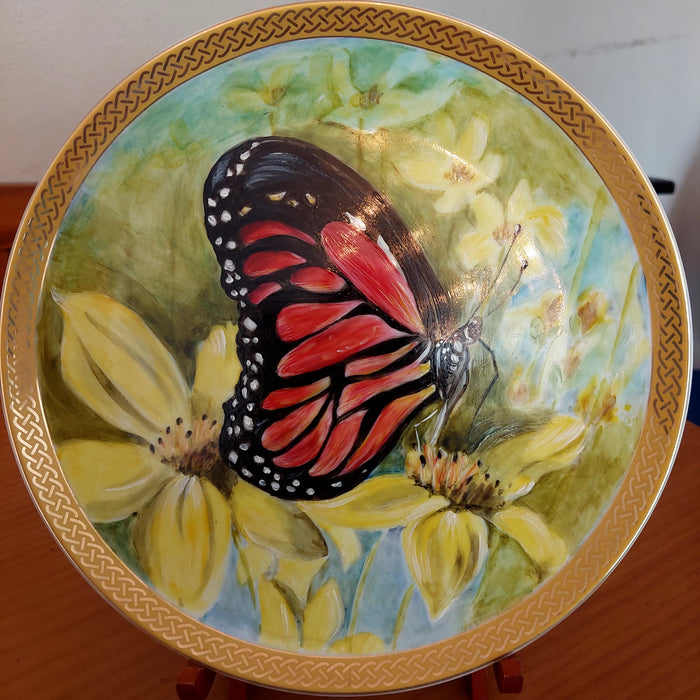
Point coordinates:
[(511, 291), (497, 277)]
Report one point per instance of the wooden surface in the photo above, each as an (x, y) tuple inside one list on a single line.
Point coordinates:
[(638, 636)]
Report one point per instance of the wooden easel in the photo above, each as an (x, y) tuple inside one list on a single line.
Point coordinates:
[(195, 681)]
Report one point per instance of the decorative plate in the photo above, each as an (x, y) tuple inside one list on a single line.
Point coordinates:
[(346, 348)]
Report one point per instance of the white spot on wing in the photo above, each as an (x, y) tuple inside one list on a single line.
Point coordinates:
[(355, 222), (382, 244)]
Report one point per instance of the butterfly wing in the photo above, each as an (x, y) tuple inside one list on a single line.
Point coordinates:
[(337, 311)]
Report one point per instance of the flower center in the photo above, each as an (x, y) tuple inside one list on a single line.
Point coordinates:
[(460, 172), (462, 479), (191, 450), (505, 233), (367, 100), (273, 96)]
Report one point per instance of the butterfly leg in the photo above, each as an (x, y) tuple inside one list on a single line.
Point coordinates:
[(420, 422), (494, 379)]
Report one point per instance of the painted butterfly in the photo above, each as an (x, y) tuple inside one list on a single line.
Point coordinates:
[(345, 332)]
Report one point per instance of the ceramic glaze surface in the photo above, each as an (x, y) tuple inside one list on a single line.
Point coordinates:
[(345, 347)]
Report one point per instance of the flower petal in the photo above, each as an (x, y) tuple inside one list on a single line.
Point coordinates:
[(444, 553), (386, 501), (454, 198), (111, 480), (488, 212), (217, 370), (472, 142), (360, 643), (182, 540), (346, 542), (490, 167), (323, 616), (546, 549), (555, 445), (117, 366), (425, 170), (519, 202), (253, 563), (277, 525), (478, 248), (278, 627), (297, 575)]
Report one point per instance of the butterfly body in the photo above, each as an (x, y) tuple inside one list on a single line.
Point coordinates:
[(345, 332)]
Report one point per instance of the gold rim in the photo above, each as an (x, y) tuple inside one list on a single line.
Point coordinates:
[(606, 544)]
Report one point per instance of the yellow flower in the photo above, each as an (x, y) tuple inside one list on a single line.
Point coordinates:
[(280, 93), (456, 167), (445, 502), (387, 100), (169, 472), (591, 309), (597, 402), (531, 226), (287, 625)]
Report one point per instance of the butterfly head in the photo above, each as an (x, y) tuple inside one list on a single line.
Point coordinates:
[(472, 331)]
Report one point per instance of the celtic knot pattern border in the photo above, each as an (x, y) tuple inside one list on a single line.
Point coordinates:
[(609, 540)]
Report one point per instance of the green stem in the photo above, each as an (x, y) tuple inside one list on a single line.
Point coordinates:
[(593, 225), (244, 563), (360, 148), (361, 585), (629, 297), (401, 615)]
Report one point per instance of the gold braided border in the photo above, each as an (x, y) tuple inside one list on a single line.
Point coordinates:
[(670, 351)]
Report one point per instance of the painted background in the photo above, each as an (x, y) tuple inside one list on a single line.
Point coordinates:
[(635, 61), (134, 232)]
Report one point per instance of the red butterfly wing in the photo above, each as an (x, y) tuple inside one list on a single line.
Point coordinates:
[(336, 321)]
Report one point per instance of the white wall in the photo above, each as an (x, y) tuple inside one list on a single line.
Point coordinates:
[(637, 61)]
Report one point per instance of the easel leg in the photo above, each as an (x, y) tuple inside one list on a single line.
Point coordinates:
[(238, 690), (509, 675), (477, 685), (194, 682)]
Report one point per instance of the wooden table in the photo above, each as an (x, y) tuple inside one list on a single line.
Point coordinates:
[(638, 636)]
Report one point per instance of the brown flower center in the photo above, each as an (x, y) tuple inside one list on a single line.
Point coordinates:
[(460, 172), (191, 450), (458, 477)]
